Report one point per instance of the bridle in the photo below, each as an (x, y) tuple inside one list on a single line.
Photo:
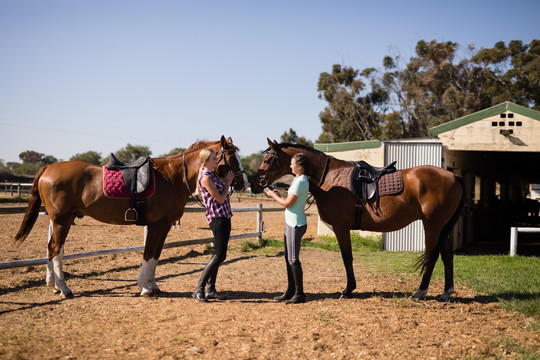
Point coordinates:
[(263, 179), (263, 182), (223, 158)]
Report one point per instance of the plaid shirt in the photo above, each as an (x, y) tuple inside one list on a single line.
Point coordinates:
[(213, 208)]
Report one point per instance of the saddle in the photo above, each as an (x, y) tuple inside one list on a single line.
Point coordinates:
[(365, 180), (137, 176)]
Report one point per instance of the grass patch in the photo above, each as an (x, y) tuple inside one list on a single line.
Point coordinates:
[(359, 244)]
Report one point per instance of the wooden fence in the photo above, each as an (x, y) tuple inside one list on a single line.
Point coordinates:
[(9, 188), (257, 234)]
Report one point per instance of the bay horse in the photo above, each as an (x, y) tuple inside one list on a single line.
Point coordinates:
[(430, 194), (73, 189)]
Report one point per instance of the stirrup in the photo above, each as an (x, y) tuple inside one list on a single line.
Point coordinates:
[(128, 211)]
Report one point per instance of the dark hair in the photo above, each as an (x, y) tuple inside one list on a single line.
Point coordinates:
[(303, 161)]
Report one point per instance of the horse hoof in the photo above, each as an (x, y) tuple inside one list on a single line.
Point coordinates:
[(68, 295), (420, 294), (147, 293), (345, 296), (445, 297)]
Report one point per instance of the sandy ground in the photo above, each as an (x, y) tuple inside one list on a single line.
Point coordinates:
[(108, 319)]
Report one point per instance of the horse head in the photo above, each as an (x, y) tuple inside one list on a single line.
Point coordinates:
[(229, 160), (275, 164)]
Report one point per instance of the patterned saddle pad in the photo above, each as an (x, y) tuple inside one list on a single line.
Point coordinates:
[(391, 183), (114, 186)]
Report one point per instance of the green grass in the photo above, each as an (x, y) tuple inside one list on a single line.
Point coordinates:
[(513, 281)]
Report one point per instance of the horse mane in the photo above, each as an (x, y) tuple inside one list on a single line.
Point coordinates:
[(200, 144), (304, 147)]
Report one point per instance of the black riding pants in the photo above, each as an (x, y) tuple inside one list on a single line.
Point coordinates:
[(221, 229)]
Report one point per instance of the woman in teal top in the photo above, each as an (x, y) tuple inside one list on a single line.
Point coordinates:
[(295, 227)]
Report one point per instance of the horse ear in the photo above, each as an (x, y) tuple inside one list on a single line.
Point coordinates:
[(229, 140), (269, 141), (223, 142)]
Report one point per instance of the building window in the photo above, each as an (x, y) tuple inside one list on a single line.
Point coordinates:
[(503, 116), (510, 116), (501, 123), (510, 123)]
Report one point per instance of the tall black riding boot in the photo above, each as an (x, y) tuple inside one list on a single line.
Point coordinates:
[(290, 287), (299, 296), (209, 269), (211, 292)]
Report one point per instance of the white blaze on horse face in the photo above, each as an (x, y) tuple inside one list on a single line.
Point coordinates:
[(146, 280), (244, 176)]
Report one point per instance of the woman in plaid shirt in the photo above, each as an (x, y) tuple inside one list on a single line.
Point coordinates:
[(218, 215)]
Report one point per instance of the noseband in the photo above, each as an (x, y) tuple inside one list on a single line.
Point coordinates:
[(263, 182)]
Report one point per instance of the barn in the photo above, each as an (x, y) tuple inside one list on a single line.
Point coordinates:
[(497, 153)]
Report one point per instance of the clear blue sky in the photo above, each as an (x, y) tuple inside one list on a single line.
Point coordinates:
[(96, 75)]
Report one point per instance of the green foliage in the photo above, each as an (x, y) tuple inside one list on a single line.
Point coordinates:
[(132, 152), (434, 87), (174, 151), (30, 157), (91, 157), (35, 158), (351, 114), (251, 163), (27, 169), (292, 138)]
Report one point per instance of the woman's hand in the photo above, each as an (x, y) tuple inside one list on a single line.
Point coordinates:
[(270, 194), (229, 177)]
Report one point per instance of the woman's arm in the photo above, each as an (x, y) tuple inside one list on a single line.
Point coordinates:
[(212, 189), (286, 203)]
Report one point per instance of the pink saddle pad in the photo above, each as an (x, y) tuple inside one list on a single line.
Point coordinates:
[(114, 186)]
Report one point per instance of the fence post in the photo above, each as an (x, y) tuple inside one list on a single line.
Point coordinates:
[(513, 240), (19, 191), (259, 223)]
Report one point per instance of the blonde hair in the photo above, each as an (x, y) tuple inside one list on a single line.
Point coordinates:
[(204, 155)]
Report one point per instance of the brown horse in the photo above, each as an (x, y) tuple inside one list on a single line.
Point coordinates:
[(73, 189), (430, 194)]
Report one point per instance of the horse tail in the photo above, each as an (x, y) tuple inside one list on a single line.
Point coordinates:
[(32, 211), (431, 257)]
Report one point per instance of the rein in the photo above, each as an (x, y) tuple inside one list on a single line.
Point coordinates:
[(321, 181), (184, 168), (263, 182)]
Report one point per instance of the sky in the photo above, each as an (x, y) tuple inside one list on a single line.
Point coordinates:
[(78, 76)]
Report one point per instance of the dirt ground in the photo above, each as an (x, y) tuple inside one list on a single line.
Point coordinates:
[(108, 319)]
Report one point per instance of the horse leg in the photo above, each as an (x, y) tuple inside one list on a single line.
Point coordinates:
[(344, 240), (55, 272), (152, 252), (430, 257), (50, 279), (447, 256)]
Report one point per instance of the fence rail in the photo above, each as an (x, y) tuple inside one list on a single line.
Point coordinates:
[(9, 188), (257, 234), (514, 236)]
